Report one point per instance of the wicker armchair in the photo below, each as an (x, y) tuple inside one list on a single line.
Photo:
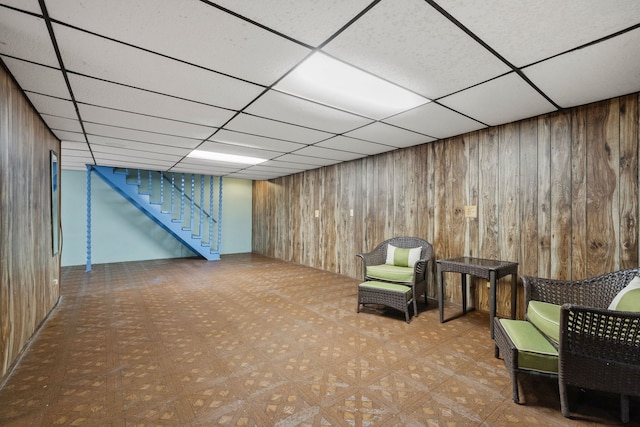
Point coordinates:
[(418, 282), (599, 349)]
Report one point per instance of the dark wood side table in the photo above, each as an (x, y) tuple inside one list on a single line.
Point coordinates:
[(487, 269)]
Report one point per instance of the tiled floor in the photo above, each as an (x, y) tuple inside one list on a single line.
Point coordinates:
[(254, 341)]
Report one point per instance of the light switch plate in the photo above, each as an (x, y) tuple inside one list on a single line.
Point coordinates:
[(471, 211)]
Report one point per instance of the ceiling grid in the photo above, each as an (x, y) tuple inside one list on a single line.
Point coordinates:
[(135, 84)]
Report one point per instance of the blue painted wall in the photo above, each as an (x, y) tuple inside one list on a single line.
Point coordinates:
[(120, 232)]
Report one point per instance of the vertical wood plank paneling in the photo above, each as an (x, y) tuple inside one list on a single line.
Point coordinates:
[(578, 194), (295, 215), (508, 210), (488, 205), (440, 226), (560, 196), (488, 202), (544, 196), (528, 197), (471, 146), (528, 184), (557, 193), (426, 220), (602, 181), (28, 267), (329, 213), (629, 181), (457, 176), (398, 194), (411, 164)]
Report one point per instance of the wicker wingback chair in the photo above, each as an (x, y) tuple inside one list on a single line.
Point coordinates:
[(418, 282), (599, 349)]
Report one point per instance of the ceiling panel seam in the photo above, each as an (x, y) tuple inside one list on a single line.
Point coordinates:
[(47, 20)]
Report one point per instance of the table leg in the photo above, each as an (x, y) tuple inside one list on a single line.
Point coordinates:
[(492, 300), (440, 292), (463, 281), (514, 294)]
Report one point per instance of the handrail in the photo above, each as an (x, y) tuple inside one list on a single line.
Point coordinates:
[(187, 197)]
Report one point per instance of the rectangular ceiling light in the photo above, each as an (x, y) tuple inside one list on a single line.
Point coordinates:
[(221, 157), (325, 80)]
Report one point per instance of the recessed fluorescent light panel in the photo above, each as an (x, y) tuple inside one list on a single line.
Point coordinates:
[(325, 80), (221, 157)]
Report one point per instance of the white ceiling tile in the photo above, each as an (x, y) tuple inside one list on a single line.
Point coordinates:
[(390, 135), (119, 118), (526, 32), (273, 129), (37, 78), (266, 167), (309, 21), (305, 160), (217, 147), (220, 167), (608, 69), (290, 109), (511, 99), (103, 150), (255, 141), (74, 145), (354, 145), (97, 57), (436, 121), (287, 166), (95, 140), (327, 153), (204, 170), (142, 136), (124, 162), (191, 31), (73, 166), (70, 136), (410, 43), (53, 106), (253, 175), (26, 37), (100, 93), (28, 5), (61, 123)]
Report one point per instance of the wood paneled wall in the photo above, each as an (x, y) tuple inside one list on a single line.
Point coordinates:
[(557, 193), (27, 264)]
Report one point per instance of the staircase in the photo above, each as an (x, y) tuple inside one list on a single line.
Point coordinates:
[(177, 202)]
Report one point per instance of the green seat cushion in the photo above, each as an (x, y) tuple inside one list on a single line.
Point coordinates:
[(391, 273), (535, 352), (388, 287), (628, 299), (545, 317)]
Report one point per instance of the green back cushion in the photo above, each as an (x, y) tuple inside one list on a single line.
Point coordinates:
[(534, 351), (391, 273), (628, 299), (402, 257), (546, 317)]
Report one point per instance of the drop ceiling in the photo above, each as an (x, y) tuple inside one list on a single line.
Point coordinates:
[(141, 84)]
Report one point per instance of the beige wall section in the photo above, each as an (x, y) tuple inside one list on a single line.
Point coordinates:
[(28, 267), (557, 193)]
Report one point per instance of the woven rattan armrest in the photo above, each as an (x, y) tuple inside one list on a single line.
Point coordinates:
[(593, 292)]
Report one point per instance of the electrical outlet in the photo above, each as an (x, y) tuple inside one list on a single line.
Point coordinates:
[(317, 213), (350, 212)]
